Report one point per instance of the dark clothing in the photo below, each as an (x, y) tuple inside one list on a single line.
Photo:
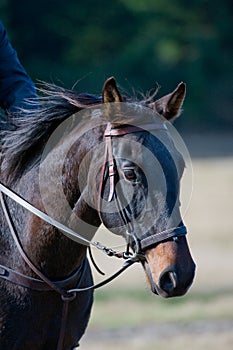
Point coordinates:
[(15, 84)]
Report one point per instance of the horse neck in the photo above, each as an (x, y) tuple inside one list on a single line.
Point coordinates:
[(53, 253), (53, 187), (50, 251)]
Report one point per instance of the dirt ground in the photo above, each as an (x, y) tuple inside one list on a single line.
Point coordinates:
[(126, 314)]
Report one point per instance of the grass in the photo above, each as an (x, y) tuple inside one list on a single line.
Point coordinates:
[(116, 309)]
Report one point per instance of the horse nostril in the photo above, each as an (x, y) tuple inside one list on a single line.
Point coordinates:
[(168, 281)]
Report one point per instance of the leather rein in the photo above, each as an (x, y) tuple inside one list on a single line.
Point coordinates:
[(61, 287)]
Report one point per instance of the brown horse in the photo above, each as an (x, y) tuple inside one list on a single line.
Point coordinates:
[(111, 162)]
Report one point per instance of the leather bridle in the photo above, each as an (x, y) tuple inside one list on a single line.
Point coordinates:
[(109, 169)]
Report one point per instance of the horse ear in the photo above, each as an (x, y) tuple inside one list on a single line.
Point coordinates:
[(110, 91), (170, 105)]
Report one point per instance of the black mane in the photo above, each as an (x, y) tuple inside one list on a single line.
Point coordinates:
[(30, 129)]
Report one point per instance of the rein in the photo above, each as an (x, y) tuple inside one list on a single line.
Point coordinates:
[(44, 283)]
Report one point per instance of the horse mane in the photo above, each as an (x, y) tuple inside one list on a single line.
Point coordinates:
[(29, 129)]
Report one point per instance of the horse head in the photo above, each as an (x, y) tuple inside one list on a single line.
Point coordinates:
[(117, 164), (79, 161), (140, 185)]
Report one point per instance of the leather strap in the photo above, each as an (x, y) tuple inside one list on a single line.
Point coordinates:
[(41, 214), (111, 162), (44, 278), (149, 239), (34, 283), (162, 236), (109, 158), (111, 131)]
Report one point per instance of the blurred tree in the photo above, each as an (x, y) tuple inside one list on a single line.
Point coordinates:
[(3, 10), (143, 41)]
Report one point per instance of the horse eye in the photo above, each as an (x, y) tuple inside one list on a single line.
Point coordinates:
[(130, 174)]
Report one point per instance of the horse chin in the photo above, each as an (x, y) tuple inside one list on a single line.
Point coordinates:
[(150, 282), (157, 290), (152, 285)]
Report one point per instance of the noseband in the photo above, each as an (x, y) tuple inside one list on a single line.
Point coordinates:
[(109, 170)]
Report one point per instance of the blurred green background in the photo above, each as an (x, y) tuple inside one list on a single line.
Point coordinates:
[(140, 42)]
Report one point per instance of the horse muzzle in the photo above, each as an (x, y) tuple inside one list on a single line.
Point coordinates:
[(170, 283), (169, 275)]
